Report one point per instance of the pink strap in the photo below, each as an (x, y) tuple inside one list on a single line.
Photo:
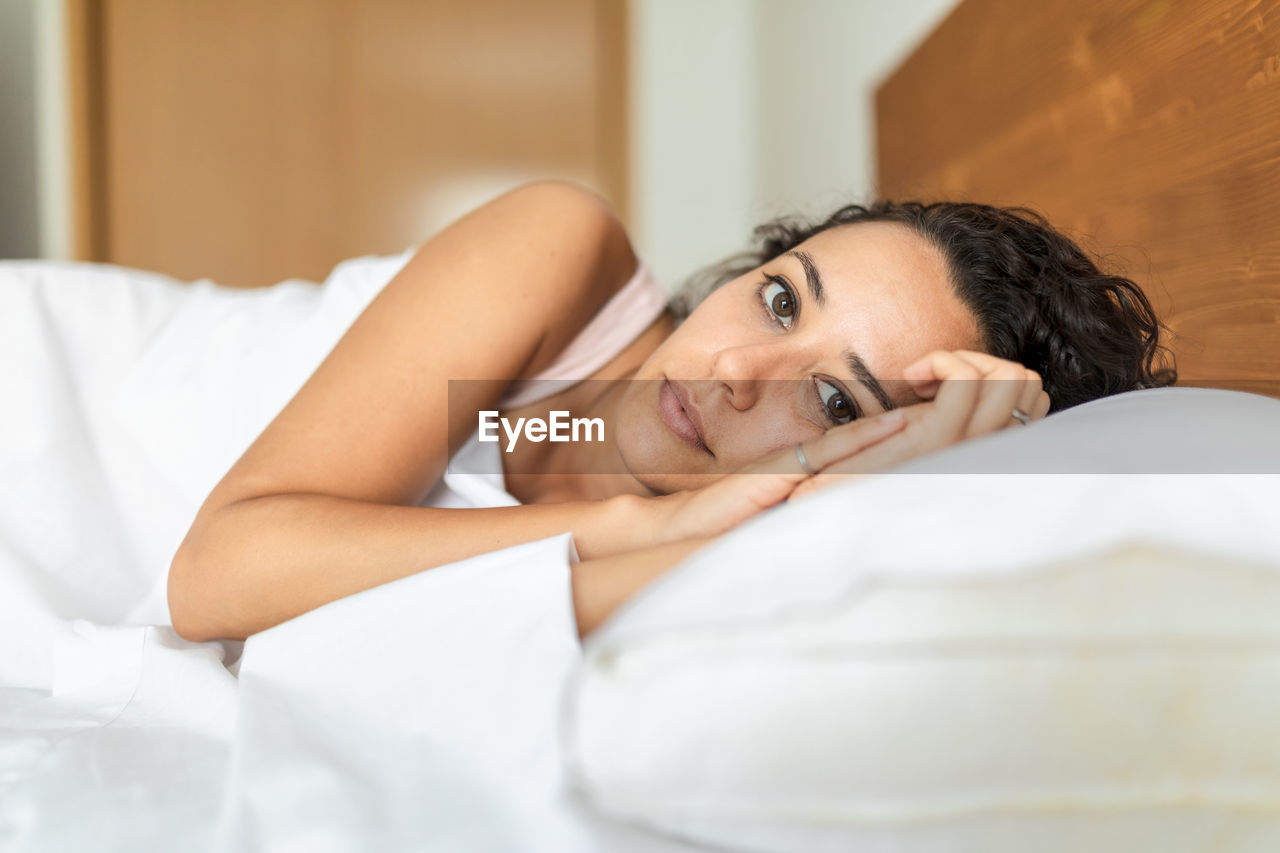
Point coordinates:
[(631, 310)]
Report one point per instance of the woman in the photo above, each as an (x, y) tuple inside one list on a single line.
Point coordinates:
[(784, 376)]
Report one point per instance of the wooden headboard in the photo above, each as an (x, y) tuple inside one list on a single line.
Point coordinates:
[(1149, 130)]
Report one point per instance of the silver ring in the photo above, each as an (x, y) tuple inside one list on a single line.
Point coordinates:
[(804, 463), (1021, 416)]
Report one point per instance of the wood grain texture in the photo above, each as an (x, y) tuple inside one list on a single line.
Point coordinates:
[(1149, 130), (249, 142)]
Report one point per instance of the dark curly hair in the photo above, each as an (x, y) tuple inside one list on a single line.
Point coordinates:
[(1037, 297)]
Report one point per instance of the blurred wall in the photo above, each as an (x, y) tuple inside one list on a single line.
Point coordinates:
[(19, 216), (694, 129), (749, 109), (35, 205), (820, 62), (742, 110)]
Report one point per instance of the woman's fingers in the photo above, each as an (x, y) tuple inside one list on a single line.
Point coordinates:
[(818, 482), (970, 393), (894, 450), (767, 482), (992, 402), (1034, 402), (1031, 399), (1003, 390), (1040, 404), (844, 441), (927, 373), (956, 396), (899, 447)]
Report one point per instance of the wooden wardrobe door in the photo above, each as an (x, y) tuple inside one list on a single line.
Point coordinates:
[(249, 141)]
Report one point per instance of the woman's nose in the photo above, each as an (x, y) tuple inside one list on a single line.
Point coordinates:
[(742, 370)]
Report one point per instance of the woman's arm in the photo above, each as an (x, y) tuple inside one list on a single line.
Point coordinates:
[(600, 586), (322, 504), (255, 563)]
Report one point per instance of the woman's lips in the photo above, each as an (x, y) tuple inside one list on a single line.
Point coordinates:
[(673, 411)]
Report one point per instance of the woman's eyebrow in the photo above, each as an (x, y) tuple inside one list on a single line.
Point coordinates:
[(811, 277), (858, 368)]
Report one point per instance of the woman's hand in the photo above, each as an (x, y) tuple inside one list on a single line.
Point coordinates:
[(731, 500), (969, 394)]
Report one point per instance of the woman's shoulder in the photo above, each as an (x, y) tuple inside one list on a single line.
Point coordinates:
[(596, 254), (493, 297)]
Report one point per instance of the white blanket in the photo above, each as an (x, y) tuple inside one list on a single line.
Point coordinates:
[(418, 715)]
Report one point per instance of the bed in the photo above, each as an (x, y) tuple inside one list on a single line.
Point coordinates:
[(1098, 670)]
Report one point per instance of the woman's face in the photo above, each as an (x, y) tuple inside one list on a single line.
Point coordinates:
[(779, 355)]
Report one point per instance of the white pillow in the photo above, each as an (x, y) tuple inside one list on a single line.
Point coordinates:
[(966, 661), (1157, 431)]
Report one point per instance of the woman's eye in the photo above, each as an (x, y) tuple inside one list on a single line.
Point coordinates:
[(780, 301), (838, 406)]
